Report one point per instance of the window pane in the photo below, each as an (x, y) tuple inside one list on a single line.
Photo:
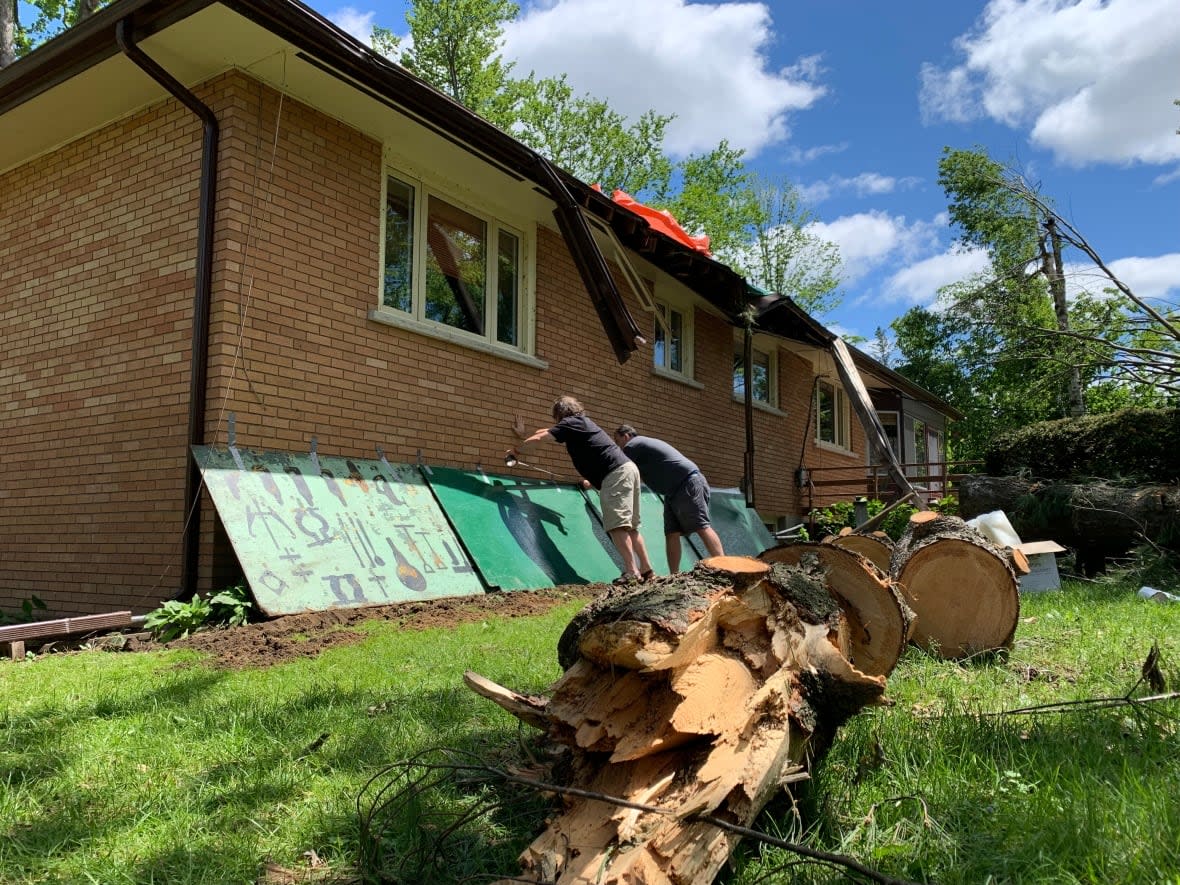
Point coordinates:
[(676, 345), (759, 374), (508, 295), (660, 350), (825, 413), (456, 267), (399, 245), (920, 451)]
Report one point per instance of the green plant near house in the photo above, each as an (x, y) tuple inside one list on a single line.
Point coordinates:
[(175, 619), (233, 606)]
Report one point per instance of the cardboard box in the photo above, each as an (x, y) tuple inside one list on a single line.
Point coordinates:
[(1042, 566)]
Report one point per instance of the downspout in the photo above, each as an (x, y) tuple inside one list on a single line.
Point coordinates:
[(748, 388), (202, 298)]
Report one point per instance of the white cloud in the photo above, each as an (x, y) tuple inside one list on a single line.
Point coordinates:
[(1092, 80), (919, 282), (354, 21), (1153, 279), (707, 63), (869, 241), (867, 184)]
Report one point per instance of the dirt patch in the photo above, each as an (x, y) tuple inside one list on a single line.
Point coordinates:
[(308, 633)]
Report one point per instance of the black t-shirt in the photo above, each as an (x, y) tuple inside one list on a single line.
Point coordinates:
[(661, 466), (593, 452)]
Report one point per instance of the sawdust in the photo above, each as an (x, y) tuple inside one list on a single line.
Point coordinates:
[(307, 634)]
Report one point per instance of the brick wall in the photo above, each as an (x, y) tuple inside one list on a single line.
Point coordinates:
[(96, 264), (97, 274)]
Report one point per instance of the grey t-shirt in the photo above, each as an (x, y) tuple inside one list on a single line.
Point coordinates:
[(662, 467)]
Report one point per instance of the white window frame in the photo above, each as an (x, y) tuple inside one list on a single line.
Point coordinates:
[(687, 338), (495, 220), (771, 352), (842, 430)]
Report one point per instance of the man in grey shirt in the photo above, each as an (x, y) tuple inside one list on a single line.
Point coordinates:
[(682, 486)]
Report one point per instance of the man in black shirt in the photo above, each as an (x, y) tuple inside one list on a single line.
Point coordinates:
[(682, 486), (603, 465)]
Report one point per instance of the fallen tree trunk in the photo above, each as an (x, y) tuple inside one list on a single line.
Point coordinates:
[(962, 588), (1097, 519), (699, 694)]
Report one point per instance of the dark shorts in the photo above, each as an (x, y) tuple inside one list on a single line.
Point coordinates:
[(687, 509)]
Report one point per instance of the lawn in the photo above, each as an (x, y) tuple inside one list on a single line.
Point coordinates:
[(163, 767)]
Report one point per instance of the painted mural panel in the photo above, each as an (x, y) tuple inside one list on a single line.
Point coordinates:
[(525, 534), (324, 532)]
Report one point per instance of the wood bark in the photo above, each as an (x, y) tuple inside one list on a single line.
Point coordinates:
[(879, 620), (699, 694), (962, 588)]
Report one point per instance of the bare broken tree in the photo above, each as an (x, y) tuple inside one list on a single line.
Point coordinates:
[(688, 701)]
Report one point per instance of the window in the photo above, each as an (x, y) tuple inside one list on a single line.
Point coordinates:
[(671, 346), (890, 423), (831, 415), (763, 386), (446, 266)]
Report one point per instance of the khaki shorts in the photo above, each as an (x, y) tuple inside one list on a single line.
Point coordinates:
[(619, 497)]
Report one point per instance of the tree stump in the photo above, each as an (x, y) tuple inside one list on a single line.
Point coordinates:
[(876, 547), (698, 694), (962, 587), (879, 620)]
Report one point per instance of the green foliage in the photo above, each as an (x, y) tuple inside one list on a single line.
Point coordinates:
[(829, 520), (1132, 444), (232, 607), (175, 619), (28, 611)]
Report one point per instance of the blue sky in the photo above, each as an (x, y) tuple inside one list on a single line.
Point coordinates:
[(853, 102)]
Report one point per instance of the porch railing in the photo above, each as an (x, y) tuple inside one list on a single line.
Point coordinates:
[(824, 486)]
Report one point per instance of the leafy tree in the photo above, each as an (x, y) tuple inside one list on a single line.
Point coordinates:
[(758, 227), (586, 137), (53, 17), (788, 258), (996, 210)]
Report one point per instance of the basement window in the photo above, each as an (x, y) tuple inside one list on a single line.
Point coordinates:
[(451, 270)]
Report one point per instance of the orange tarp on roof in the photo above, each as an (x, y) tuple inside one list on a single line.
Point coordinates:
[(662, 220)]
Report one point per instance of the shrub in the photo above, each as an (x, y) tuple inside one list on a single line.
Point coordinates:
[(1133, 444), (174, 619)]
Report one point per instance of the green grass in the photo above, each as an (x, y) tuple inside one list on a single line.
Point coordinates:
[(155, 767)]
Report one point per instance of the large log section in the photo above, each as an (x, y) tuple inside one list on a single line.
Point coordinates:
[(962, 587), (699, 694)]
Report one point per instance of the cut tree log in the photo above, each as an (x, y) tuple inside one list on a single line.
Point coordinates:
[(879, 620), (699, 694), (876, 547), (962, 587)]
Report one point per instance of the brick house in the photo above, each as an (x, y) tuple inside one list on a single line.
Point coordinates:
[(233, 208)]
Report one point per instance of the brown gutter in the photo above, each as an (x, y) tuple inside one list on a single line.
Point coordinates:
[(202, 298)]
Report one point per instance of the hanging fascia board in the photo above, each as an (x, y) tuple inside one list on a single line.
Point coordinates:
[(630, 274)]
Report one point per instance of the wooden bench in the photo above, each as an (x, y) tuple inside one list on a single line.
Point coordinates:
[(12, 637)]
